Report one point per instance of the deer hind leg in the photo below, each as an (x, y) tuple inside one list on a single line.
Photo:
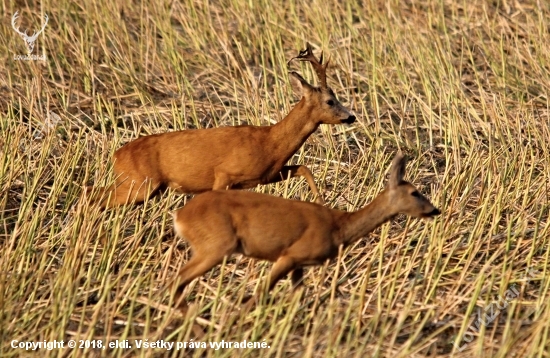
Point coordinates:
[(197, 266), (201, 262), (293, 171), (128, 192)]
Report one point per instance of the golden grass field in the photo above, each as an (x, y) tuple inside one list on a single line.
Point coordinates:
[(460, 87)]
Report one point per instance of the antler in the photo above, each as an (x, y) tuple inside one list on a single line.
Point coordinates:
[(320, 69), (29, 40), (35, 35), (13, 18)]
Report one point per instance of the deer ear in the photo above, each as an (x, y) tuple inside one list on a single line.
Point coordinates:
[(299, 84), (397, 171)]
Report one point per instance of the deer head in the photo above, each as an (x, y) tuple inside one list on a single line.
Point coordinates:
[(331, 111), (403, 195), (29, 40)]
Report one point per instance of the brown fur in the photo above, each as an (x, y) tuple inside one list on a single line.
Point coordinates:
[(194, 161), (290, 233)]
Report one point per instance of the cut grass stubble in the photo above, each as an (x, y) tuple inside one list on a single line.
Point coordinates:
[(461, 88)]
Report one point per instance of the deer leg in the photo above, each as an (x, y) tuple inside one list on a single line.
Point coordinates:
[(298, 171), (126, 192), (297, 277), (197, 266), (282, 267), (221, 181)]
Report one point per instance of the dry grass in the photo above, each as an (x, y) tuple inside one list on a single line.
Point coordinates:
[(462, 88)]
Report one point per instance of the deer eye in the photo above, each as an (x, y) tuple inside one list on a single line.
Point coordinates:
[(416, 194), (330, 102)]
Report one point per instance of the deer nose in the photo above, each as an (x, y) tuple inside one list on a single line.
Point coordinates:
[(349, 120), (434, 212)]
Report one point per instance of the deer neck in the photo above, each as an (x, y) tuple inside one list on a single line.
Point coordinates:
[(360, 223), (289, 134)]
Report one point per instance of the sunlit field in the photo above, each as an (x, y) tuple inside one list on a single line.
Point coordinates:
[(460, 87)]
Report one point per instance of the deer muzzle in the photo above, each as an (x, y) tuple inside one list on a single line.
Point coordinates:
[(349, 120), (434, 212)]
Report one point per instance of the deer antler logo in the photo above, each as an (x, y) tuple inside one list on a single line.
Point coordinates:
[(29, 40)]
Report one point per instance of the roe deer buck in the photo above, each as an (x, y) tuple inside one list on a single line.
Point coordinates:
[(193, 161), (290, 233)]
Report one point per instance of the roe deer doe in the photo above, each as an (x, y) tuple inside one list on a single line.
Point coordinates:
[(290, 233), (193, 161)]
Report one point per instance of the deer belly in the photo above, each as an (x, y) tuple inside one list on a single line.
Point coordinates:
[(190, 180), (269, 251)]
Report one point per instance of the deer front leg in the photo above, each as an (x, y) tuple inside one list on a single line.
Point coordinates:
[(221, 181), (297, 278), (298, 171), (282, 267)]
